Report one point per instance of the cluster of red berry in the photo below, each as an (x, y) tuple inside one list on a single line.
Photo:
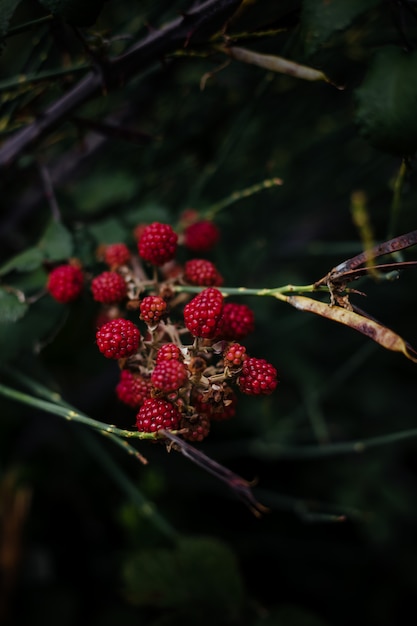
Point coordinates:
[(178, 373)]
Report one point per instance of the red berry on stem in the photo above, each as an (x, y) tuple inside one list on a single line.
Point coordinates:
[(108, 288), (235, 355), (157, 243), (116, 254), (152, 309), (257, 377), (236, 322), (169, 375), (201, 236), (155, 414), (202, 272), (132, 389), (118, 338), (202, 313), (168, 352), (65, 283)]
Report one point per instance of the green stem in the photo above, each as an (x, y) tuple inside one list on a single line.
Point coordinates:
[(396, 200), (238, 195), (275, 292), (72, 415), (16, 30), (271, 450), (145, 508), (24, 80)]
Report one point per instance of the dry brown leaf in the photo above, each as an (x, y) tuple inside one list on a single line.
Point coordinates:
[(379, 333)]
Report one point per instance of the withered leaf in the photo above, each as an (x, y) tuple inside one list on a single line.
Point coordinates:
[(379, 333)]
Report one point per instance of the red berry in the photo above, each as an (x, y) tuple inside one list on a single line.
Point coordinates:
[(152, 309), (108, 288), (155, 414), (168, 352), (234, 355), (236, 322), (202, 272), (196, 429), (158, 243), (169, 375), (65, 283), (116, 254), (202, 313), (118, 338), (257, 377), (132, 389), (201, 236)]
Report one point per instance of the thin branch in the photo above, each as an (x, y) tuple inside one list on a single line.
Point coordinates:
[(196, 25)]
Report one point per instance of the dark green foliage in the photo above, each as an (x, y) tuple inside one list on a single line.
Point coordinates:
[(387, 101), (105, 539)]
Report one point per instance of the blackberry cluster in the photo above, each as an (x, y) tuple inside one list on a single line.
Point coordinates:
[(186, 366)]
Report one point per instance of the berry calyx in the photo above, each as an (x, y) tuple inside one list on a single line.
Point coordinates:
[(201, 236), (133, 389), (116, 255), (155, 414), (202, 313), (65, 283), (219, 407), (258, 376), (169, 375), (237, 321), (152, 308), (157, 243), (108, 287), (168, 352), (118, 338), (202, 272)]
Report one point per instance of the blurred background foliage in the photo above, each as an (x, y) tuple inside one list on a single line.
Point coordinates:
[(89, 535)]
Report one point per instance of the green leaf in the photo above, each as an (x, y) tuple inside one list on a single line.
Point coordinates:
[(56, 243), (26, 261), (98, 193), (108, 231), (7, 8), (76, 12), (387, 102), (199, 579), (321, 19), (11, 308)]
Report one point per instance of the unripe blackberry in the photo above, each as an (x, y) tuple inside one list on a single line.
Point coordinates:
[(196, 429), (152, 308), (202, 272), (257, 377), (65, 283), (169, 375), (236, 322), (108, 288), (168, 352), (155, 414), (158, 243), (201, 236), (132, 389), (234, 355), (116, 254), (118, 338), (202, 313)]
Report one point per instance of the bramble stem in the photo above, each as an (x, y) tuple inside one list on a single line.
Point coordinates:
[(275, 292), (72, 415), (238, 195)]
